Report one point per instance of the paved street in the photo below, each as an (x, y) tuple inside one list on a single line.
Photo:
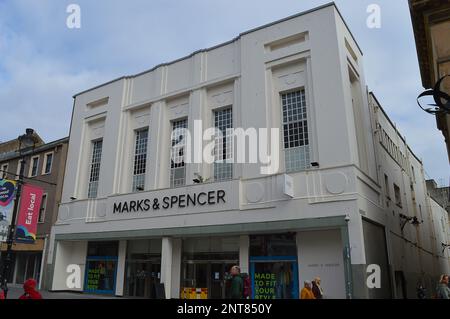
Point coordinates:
[(16, 291)]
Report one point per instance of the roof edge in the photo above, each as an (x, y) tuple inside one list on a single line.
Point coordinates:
[(371, 93), (226, 43), (43, 147)]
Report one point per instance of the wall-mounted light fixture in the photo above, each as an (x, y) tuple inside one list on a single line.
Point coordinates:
[(199, 179), (408, 219), (441, 99)]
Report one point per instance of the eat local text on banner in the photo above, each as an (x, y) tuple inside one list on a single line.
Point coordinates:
[(7, 196), (30, 204)]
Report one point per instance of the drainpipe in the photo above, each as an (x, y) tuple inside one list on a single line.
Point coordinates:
[(44, 257)]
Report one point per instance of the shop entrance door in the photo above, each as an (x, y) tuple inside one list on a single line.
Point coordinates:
[(206, 279), (142, 278), (274, 278), (219, 272)]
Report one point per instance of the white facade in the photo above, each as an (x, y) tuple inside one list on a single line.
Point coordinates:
[(415, 252), (338, 206)]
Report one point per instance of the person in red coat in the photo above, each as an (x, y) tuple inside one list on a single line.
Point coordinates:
[(2, 295), (30, 291)]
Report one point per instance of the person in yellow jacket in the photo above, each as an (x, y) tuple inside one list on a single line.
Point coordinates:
[(307, 292)]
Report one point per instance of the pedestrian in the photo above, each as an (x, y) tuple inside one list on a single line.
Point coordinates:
[(237, 284), (421, 291), (307, 291), (317, 288), (2, 295), (30, 291), (442, 290)]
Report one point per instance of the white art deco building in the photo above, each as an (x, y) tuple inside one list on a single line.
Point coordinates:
[(345, 195)]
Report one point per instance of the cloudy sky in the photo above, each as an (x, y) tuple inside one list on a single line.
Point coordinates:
[(43, 63)]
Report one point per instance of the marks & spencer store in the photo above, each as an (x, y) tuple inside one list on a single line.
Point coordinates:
[(141, 220)]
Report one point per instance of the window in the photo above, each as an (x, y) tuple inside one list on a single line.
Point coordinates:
[(20, 168), (42, 209), (48, 161), (4, 172), (95, 168), (34, 166), (177, 165), (223, 152), (140, 160), (413, 173), (295, 131), (398, 196), (386, 186)]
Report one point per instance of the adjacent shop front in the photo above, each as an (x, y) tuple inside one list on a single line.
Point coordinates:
[(27, 261)]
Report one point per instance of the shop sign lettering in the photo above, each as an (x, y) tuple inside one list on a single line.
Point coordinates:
[(169, 202), (265, 285)]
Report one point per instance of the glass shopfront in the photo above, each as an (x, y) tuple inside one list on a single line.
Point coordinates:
[(101, 268), (205, 266), (143, 268), (27, 265), (274, 266)]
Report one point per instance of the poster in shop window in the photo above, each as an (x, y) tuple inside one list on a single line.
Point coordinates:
[(30, 204), (7, 196)]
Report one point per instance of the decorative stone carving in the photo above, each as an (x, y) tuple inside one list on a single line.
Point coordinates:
[(335, 183), (254, 192)]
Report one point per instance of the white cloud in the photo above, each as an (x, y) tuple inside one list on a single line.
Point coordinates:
[(43, 63)]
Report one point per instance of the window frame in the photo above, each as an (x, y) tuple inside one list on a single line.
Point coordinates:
[(172, 170), (91, 163), (30, 169), (4, 172), (386, 186), (230, 146), (145, 168), (19, 169), (307, 131), (398, 199), (43, 210), (46, 162)]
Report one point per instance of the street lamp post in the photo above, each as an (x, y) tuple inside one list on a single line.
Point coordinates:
[(29, 140)]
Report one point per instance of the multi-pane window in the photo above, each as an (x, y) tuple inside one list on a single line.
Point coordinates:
[(177, 164), (4, 172), (398, 196), (20, 169), (387, 191), (386, 186), (95, 168), (42, 209), (140, 160), (295, 131), (34, 166), (223, 152), (413, 174), (47, 168)]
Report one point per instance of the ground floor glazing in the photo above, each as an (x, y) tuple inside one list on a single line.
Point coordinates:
[(198, 267)]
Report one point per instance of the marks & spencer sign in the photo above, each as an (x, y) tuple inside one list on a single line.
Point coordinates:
[(178, 201)]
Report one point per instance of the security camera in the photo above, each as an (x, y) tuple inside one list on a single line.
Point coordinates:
[(347, 218)]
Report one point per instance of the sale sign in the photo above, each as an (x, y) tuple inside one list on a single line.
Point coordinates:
[(7, 195), (30, 204)]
